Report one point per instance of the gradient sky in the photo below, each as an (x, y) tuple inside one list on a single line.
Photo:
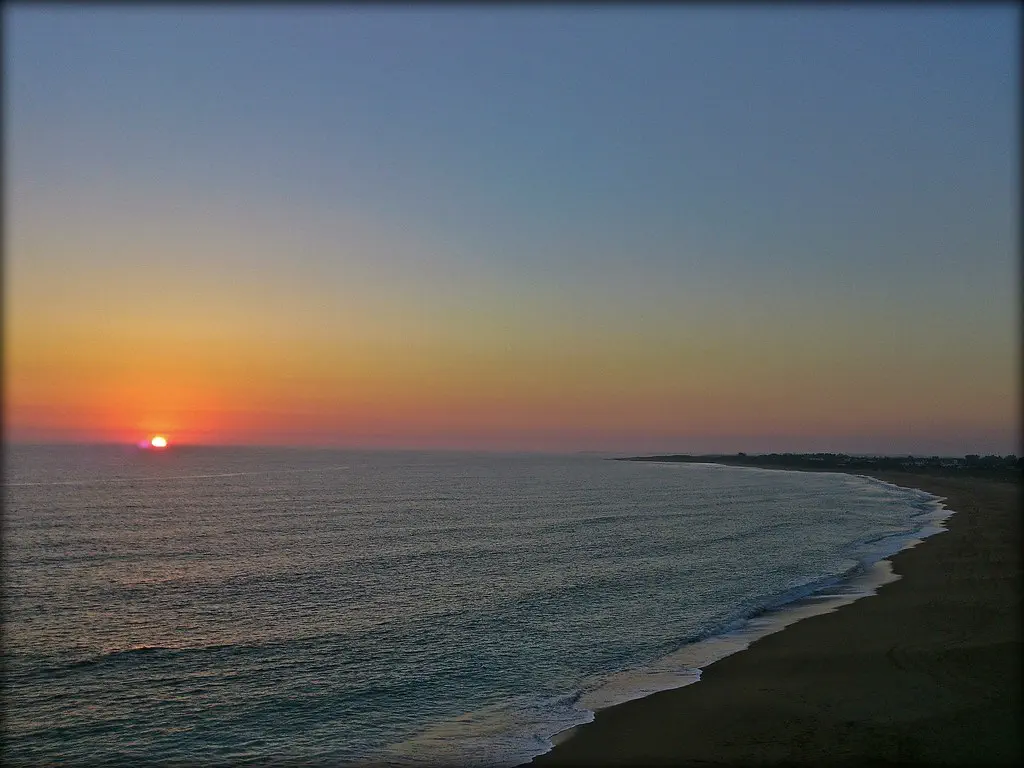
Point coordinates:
[(546, 228)]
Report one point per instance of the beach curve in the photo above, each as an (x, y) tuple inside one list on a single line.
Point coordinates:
[(926, 672)]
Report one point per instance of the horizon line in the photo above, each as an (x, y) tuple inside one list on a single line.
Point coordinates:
[(409, 449)]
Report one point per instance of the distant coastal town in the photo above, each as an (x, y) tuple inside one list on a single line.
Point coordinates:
[(992, 466)]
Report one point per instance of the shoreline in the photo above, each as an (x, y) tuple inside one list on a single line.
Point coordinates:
[(686, 665), (834, 685)]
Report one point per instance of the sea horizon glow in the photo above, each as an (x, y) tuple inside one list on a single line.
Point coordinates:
[(624, 230)]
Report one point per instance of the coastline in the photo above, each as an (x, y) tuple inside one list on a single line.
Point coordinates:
[(925, 671)]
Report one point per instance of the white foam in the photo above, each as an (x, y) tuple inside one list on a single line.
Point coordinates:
[(502, 735)]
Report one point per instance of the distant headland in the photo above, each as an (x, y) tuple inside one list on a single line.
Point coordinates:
[(972, 465)]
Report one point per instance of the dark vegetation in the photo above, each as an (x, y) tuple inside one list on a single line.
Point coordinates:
[(972, 465)]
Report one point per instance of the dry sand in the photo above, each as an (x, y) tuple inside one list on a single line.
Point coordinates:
[(927, 671)]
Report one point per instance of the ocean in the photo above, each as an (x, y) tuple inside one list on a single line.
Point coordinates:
[(256, 605)]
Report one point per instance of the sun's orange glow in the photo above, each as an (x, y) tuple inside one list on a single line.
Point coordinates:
[(159, 442)]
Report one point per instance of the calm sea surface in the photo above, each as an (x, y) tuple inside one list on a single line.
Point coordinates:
[(268, 605)]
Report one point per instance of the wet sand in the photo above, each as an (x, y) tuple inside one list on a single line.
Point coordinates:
[(927, 671)]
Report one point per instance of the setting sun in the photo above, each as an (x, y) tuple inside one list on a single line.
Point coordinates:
[(158, 442)]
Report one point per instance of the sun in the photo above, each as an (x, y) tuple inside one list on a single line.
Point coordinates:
[(159, 441)]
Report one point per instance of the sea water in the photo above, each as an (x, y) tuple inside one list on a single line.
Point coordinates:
[(248, 605)]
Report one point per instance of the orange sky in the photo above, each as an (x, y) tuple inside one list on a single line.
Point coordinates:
[(77, 378)]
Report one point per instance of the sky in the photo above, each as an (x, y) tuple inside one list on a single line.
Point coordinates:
[(557, 228)]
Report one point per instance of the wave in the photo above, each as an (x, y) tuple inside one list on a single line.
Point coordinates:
[(137, 653), (131, 653), (173, 478), (514, 732)]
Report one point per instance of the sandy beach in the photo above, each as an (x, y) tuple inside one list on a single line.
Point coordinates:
[(927, 671)]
